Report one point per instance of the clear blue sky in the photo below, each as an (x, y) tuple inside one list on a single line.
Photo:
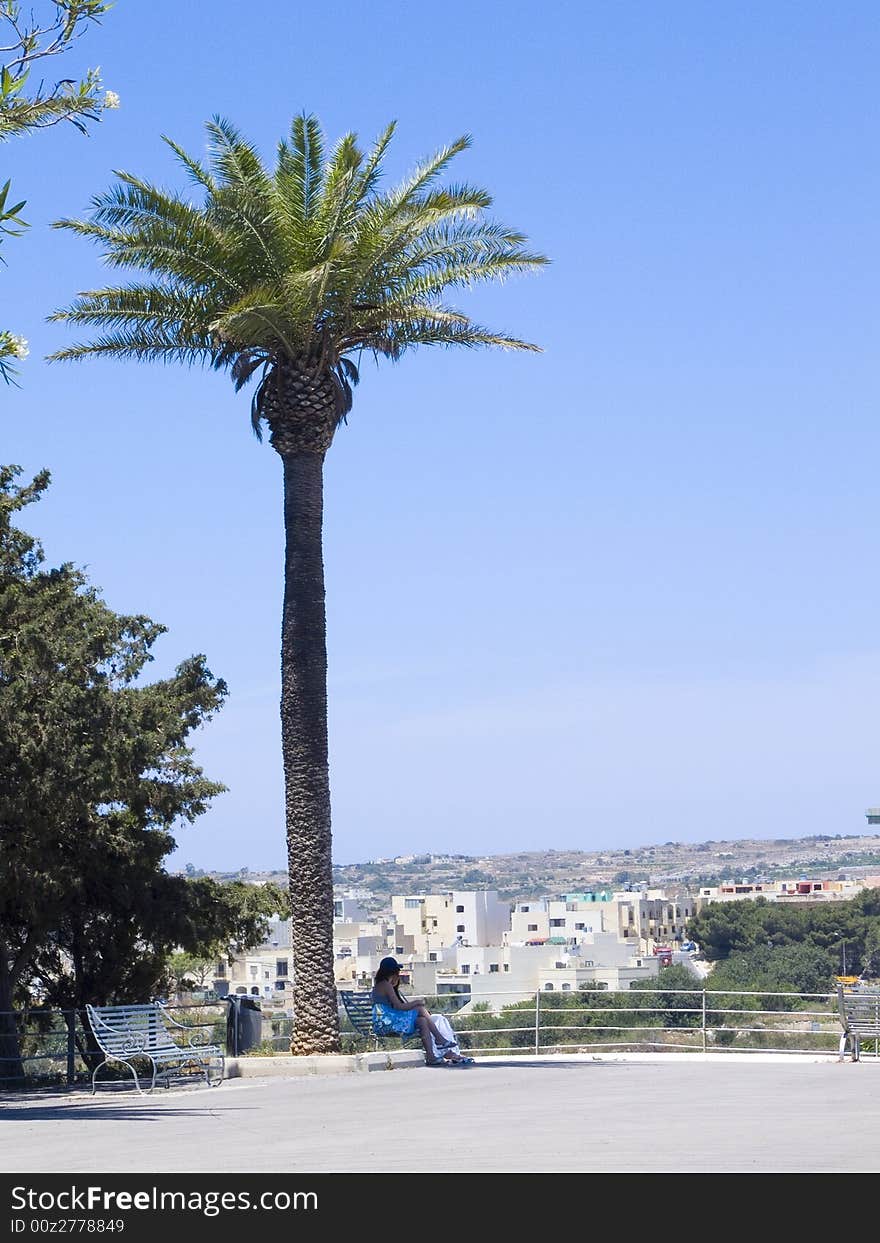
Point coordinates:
[(619, 593)]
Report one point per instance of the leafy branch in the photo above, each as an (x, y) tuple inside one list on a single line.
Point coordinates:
[(25, 107)]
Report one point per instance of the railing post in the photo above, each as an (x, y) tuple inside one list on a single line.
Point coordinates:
[(70, 1023), (537, 1021), (704, 1020)]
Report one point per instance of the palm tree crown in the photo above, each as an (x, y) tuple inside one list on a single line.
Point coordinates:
[(293, 272)]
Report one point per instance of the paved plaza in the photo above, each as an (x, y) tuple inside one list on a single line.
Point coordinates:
[(674, 1113)]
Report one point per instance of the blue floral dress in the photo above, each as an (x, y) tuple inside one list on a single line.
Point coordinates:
[(390, 1022)]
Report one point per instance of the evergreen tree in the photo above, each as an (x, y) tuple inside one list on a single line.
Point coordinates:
[(95, 771)]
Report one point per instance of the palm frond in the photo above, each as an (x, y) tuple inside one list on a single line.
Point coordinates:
[(234, 161), (155, 346), (372, 169), (196, 169), (162, 306), (300, 166)]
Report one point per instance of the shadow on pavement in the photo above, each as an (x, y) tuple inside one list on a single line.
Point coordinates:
[(523, 1063), (114, 1111)]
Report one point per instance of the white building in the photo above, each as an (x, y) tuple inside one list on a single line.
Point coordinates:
[(463, 917), (500, 975), (567, 919)]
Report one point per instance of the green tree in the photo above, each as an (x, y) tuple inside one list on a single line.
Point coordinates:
[(25, 107), (774, 969), (94, 773), (722, 927), (725, 928), (288, 276)]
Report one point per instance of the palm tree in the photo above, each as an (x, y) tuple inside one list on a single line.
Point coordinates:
[(288, 276)]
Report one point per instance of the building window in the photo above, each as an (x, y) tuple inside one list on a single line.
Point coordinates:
[(281, 966), (432, 958), (566, 988), (524, 910), (459, 910), (493, 968), (465, 969), (255, 971), (559, 965), (557, 923), (579, 927), (507, 966), (532, 927), (459, 927), (548, 987), (221, 970), (411, 904)]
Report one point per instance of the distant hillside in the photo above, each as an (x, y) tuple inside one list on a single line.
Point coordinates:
[(553, 872)]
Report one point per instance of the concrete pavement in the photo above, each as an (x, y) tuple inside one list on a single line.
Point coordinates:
[(579, 1113)]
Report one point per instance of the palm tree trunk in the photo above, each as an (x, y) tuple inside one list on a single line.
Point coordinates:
[(304, 747)]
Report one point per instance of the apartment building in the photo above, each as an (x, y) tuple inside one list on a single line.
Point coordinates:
[(649, 917), (554, 919), (465, 917), (427, 918)]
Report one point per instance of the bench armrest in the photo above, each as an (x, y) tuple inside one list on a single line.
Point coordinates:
[(196, 1035)]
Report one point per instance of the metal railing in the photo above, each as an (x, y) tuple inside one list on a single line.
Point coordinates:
[(685, 1020)]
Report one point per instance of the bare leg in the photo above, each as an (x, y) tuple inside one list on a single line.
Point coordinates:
[(438, 1036), (424, 1025)]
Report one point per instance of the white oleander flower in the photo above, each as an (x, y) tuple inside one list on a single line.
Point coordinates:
[(111, 99), (18, 346)]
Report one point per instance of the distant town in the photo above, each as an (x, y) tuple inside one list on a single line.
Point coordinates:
[(549, 921)]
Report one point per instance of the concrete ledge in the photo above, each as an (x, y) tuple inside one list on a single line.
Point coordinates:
[(286, 1065)]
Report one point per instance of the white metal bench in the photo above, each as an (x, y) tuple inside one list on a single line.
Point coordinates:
[(860, 1018), (132, 1034)]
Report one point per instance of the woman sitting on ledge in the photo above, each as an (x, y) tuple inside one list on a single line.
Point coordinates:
[(395, 1016)]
